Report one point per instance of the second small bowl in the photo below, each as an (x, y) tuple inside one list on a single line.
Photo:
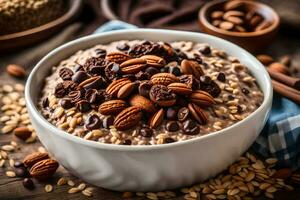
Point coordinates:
[(252, 41)]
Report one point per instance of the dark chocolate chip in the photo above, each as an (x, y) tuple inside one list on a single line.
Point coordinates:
[(28, 183), (18, 164), (144, 89), (221, 77), (142, 76), (146, 132), (183, 114), (98, 83), (152, 70), (213, 88), (83, 106), (60, 90), (112, 71), (175, 70), (78, 67), (205, 79), (21, 172), (230, 97), (107, 122), (205, 50), (45, 102), (93, 122), (197, 58), (172, 113), (127, 142), (92, 96), (123, 46), (76, 95), (101, 52), (190, 127), (66, 103), (79, 76), (168, 140), (245, 91), (172, 126), (65, 73)]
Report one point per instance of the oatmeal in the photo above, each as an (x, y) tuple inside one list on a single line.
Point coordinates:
[(146, 93)]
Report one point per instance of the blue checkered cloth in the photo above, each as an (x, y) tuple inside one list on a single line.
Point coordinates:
[(280, 137)]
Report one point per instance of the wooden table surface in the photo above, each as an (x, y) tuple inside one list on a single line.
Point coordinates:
[(12, 189)]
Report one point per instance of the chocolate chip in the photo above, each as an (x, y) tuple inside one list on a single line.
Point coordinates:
[(101, 52), (65, 73), (78, 67), (142, 76), (129, 76), (76, 95), (107, 122), (205, 79), (168, 140), (144, 89), (183, 114), (187, 79), (245, 91), (93, 122), (197, 58), (172, 126), (175, 70), (221, 77), (127, 142), (152, 70), (171, 113), (112, 71), (213, 88), (45, 102), (91, 96), (21, 172), (146, 132), (96, 84), (205, 50), (83, 106), (190, 127), (28, 183), (123, 46), (161, 93), (230, 97), (18, 164), (66, 103), (79, 76), (59, 90)]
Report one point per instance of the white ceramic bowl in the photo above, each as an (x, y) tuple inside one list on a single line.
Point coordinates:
[(147, 168)]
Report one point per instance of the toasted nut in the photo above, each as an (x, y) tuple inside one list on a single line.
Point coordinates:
[(16, 71)]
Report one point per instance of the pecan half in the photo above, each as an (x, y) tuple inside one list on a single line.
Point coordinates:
[(133, 66), (143, 103), (44, 169), (33, 158), (163, 79), (157, 118), (112, 107), (162, 95), (202, 98), (191, 67), (117, 57), (128, 118), (154, 61), (180, 88), (125, 90), (115, 86), (198, 114)]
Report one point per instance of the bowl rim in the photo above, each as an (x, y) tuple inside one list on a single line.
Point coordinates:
[(268, 94), (203, 19)]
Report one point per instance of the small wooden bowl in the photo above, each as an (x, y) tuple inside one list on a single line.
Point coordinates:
[(18, 40), (252, 41)]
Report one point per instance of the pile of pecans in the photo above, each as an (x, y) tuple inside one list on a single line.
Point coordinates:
[(236, 16)]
